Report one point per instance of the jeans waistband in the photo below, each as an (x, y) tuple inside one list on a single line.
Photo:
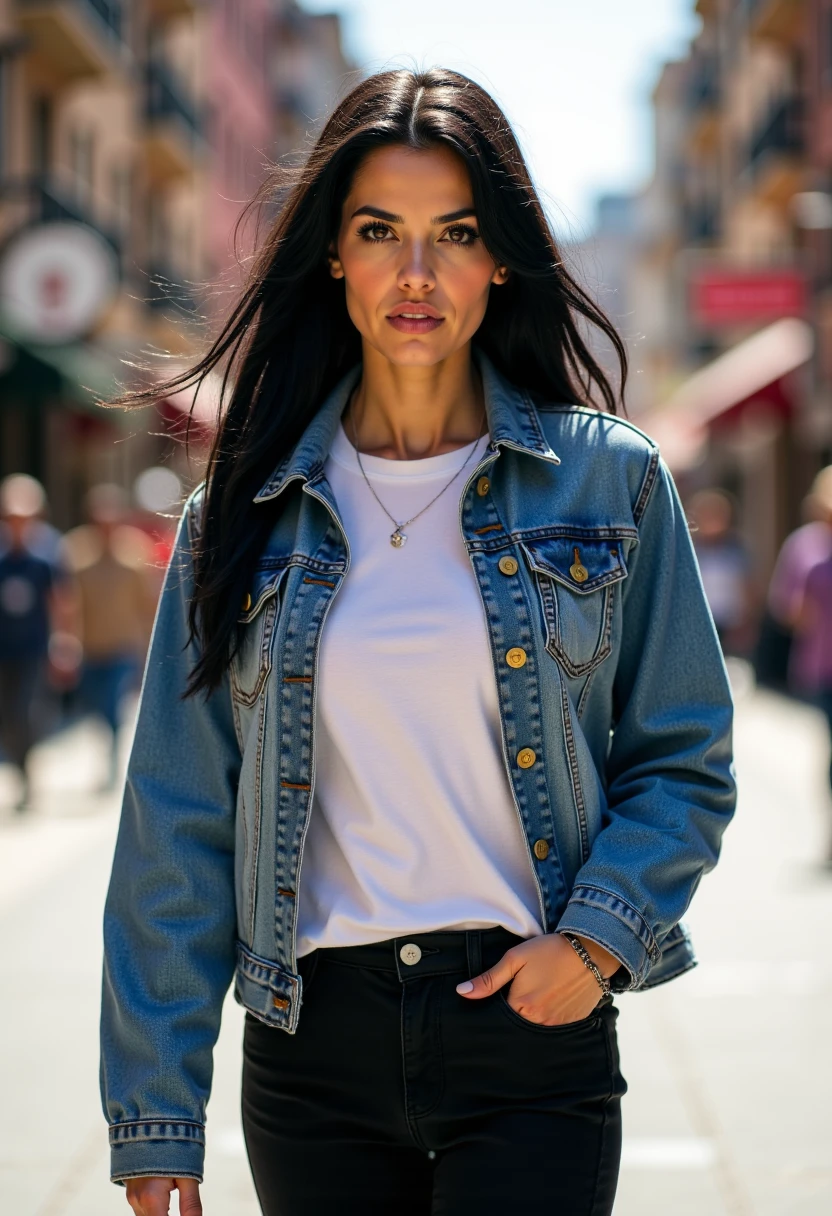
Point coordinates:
[(417, 955)]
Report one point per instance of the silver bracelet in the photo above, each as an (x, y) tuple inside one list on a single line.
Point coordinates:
[(585, 957)]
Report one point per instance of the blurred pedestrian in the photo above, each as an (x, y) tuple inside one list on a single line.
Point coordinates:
[(28, 582), (806, 547), (813, 637), (111, 564), (431, 826), (726, 569)]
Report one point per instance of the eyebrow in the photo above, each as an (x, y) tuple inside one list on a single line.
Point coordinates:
[(378, 214)]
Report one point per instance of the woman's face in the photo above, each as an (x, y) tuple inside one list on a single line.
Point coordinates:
[(417, 273)]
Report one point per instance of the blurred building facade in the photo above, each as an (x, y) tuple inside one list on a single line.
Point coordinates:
[(132, 132), (727, 279)]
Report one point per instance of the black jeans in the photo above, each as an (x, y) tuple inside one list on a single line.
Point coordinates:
[(398, 1097)]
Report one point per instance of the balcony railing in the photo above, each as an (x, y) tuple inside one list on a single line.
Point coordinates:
[(165, 98), (782, 131)]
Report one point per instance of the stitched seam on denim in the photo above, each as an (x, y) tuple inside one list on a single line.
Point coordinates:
[(574, 773), (191, 1131), (300, 559), (246, 846), (637, 925), (249, 698), (603, 532), (649, 482), (248, 961), (238, 722), (534, 421), (518, 536), (258, 801), (582, 699), (555, 646), (124, 1177)]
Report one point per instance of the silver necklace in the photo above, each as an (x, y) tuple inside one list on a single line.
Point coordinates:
[(398, 537)]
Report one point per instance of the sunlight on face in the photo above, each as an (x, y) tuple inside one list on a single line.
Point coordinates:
[(417, 273)]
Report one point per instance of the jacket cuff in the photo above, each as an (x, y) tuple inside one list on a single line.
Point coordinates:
[(608, 920), (156, 1149)]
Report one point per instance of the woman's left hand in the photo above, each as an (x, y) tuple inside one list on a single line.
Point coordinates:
[(549, 983)]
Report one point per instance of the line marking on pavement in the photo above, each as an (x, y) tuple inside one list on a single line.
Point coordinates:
[(668, 1154)]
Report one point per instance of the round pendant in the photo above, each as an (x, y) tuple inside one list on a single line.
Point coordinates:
[(397, 539)]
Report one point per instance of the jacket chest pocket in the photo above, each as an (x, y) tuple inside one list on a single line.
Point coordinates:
[(577, 581), (256, 625)]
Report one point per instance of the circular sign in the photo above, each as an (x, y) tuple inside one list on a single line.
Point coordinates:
[(56, 280)]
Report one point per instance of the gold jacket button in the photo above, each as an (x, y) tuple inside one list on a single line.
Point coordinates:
[(541, 849), (483, 486), (246, 602), (516, 657), (578, 571), (526, 757), (508, 565)]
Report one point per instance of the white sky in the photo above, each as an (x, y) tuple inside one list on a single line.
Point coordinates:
[(573, 76)]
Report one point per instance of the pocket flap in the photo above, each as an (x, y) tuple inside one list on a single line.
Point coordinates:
[(263, 584), (581, 564)]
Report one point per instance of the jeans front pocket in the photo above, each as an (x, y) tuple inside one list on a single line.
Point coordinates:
[(577, 580), (590, 1022)]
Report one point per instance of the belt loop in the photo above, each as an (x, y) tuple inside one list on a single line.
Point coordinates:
[(473, 948)]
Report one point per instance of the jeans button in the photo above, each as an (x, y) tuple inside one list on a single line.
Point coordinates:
[(410, 954)]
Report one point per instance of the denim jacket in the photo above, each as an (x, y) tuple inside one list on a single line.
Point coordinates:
[(616, 737)]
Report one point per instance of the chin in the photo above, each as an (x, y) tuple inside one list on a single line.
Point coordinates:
[(415, 354)]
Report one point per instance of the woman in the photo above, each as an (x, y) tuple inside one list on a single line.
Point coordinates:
[(433, 747)]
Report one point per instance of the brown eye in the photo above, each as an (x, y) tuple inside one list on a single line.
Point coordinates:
[(461, 234)]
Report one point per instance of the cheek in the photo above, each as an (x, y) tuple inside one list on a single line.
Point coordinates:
[(467, 284), (367, 282)]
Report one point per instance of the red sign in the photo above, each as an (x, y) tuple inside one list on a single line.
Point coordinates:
[(726, 297)]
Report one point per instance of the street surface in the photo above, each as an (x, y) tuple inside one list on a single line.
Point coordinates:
[(729, 1068)]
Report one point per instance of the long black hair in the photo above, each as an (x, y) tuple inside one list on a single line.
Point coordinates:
[(288, 339)]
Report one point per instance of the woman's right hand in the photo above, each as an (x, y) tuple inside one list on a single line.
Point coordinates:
[(151, 1196)]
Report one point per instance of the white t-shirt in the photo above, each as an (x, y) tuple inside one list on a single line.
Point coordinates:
[(413, 826)]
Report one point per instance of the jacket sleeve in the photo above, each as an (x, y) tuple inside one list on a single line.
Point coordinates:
[(169, 920), (669, 773)]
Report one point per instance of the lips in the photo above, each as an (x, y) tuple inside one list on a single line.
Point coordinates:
[(411, 318)]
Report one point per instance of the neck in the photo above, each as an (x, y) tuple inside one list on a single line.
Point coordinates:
[(410, 413)]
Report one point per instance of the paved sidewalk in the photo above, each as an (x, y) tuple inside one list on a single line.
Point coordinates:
[(729, 1068)]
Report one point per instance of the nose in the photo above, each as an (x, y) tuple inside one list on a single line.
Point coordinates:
[(415, 273)]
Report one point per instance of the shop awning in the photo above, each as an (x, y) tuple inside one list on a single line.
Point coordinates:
[(79, 371), (755, 370)]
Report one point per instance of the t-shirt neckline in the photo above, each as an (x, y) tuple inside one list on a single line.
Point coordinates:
[(344, 453)]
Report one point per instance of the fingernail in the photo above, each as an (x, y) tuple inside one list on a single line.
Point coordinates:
[(465, 986)]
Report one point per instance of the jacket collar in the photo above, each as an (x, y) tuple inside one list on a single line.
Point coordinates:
[(512, 423)]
